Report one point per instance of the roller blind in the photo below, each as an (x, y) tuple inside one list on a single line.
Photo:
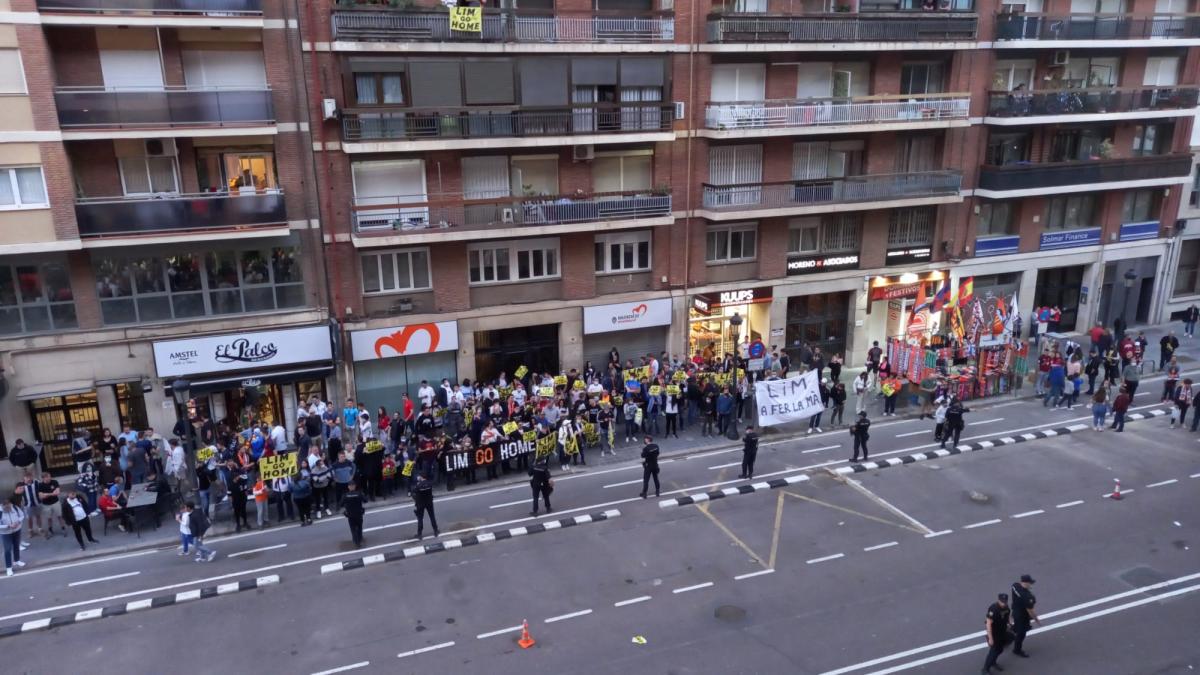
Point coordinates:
[(544, 82), (489, 82), (642, 72), (436, 83), (593, 71)]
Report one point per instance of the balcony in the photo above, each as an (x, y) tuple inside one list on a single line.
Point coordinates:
[(190, 214), (821, 115), (127, 7), (899, 27), (471, 126), (158, 108), (379, 221), (796, 197), (1096, 174), (1023, 107), (1074, 29), (504, 26)]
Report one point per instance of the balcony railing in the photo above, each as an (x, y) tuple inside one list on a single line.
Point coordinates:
[(433, 25), (166, 214), (851, 189), (163, 107), (872, 27), (368, 125), (1089, 101), (834, 111), (1096, 27), (1027, 176), (233, 7), (413, 213)]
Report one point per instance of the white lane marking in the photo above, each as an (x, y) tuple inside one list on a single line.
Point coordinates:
[(939, 533), (913, 433), (857, 485), (1164, 482), (879, 546), (1050, 615), (1068, 505), (750, 575), (422, 650), (635, 481), (1195, 475), (342, 669), (1124, 491), (825, 447), (90, 561), (724, 466), (506, 504), (978, 422), (697, 587), (502, 631), (1042, 629), (256, 550), (631, 601), (984, 523), (1035, 512), (99, 579), (835, 556), (572, 615)]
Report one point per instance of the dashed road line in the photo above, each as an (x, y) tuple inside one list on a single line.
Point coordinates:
[(724, 466), (342, 669), (750, 575), (700, 497), (423, 650), (825, 447), (1124, 491), (502, 631), (571, 615), (621, 484), (1026, 514), (939, 533), (631, 601), (835, 556), (1068, 505), (256, 550), (99, 579), (1163, 482), (984, 523), (879, 546), (1195, 475), (697, 587), (507, 504)]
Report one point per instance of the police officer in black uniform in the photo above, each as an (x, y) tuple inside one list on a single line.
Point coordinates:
[(352, 507), (649, 465), (1023, 612), (539, 482), (858, 430), (996, 627), (749, 452), (954, 422), (422, 494)]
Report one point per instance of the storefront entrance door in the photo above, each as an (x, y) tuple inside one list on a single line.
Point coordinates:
[(535, 347), (55, 421)]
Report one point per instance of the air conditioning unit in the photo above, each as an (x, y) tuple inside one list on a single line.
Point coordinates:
[(583, 153), (680, 110), (507, 215), (1061, 57), (329, 108), (160, 147)]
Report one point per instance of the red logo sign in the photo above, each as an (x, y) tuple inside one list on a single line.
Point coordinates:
[(398, 341)]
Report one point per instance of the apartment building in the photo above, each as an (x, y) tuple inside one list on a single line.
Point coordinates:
[(158, 216)]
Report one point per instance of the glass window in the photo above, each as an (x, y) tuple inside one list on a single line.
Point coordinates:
[(22, 187), (995, 219), (840, 232), (1152, 139), (1187, 277), (35, 297), (379, 88), (1141, 206), (1070, 212), (731, 243), (922, 78), (910, 227), (12, 74), (535, 259), (395, 271), (622, 252), (804, 235)]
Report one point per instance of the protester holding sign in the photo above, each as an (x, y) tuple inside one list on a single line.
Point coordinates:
[(791, 400)]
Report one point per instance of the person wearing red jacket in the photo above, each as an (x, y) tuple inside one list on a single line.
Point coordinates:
[(1120, 407)]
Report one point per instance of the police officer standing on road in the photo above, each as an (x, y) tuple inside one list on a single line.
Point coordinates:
[(749, 452), (859, 431), (422, 494), (1023, 612), (955, 422), (539, 482), (996, 627), (649, 465), (352, 507)]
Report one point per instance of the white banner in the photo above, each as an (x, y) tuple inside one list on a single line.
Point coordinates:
[(626, 315), (411, 340), (240, 351), (790, 400)]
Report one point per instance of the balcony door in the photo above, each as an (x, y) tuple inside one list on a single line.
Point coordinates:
[(129, 59), (735, 165), (147, 166), (742, 86), (388, 186), (1161, 71), (249, 173), (225, 65), (1010, 74)]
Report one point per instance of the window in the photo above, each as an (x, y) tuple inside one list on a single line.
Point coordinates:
[(1194, 196), (379, 88), (826, 234), (622, 173), (1141, 206), (518, 261), (804, 235), (1187, 277), (12, 73), (911, 227), (1009, 74), (35, 297), (731, 243), (22, 187), (922, 78), (995, 219), (622, 252), (148, 175), (1003, 149), (1151, 139), (1070, 212), (1070, 145), (392, 271)]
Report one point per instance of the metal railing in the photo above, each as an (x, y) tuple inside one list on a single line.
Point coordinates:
[(161, 214), (364, 124), (850, 189), (1025, 176), (422, 25), (235, 7), (163, 106), (418, 212), (1090, 101), (819, 112), (872, 27), (1030, 26)]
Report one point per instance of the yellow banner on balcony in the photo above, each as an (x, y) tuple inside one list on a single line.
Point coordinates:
[(466, 19)]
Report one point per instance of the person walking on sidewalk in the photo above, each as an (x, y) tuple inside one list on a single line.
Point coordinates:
[(74, 513), (1120, 407), (1190, 316), (955, 422), (860, 432), (996, 628), (12, 518), (1181, 397), (199, 524), (540, 483), (422, 494), (649, 466), (354, 510), (872, 371), (237, 498), (749, 452), (1023, 612)]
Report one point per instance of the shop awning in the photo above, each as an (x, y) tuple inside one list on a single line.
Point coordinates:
[(37, 391), (211, 384)]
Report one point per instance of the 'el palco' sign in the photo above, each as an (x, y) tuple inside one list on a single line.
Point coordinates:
[(788, 400)]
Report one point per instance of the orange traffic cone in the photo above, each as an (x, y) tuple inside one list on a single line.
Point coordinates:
[(1116, 493), (526, 640)]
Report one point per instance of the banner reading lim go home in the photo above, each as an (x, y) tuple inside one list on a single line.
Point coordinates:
[(788, 400)]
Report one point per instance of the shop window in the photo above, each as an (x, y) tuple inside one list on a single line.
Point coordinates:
[(520, 261), (818, 320), (22, 187), (731, 243), (307, 389), (1070, 212), (1187, 276), (34, 298), (622, 252), (393, 271), (1141, 206), (131, 405), (56, 419), (912, 227), (827, 234), (995, 219)]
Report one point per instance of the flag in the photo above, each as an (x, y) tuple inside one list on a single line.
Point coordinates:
[(966, 290), (1000, 320), (1013, 318), (922, 303), (941, 299)]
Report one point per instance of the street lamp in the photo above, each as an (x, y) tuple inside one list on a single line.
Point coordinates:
[(735, 326), (179, 391)]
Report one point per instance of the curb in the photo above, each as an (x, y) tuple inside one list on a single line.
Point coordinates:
[(449, 544), (700, 497), (135, 605)]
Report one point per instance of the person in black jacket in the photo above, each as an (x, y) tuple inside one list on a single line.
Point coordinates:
[(539, 482), (199, 523), (649, 466), (749, 452), (23, 457), (954, 421), (860, 431), (237, 497), (74, 513), (353, 509), (422, 494)]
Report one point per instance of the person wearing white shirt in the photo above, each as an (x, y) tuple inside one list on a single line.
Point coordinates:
[(426, 394), (320, 406), (366, 430), (279, 436), (519, 395)]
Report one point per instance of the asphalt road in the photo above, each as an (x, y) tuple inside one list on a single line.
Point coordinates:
[(836, 574)]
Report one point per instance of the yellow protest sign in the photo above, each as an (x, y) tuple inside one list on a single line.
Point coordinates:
[(372, 447), (510, 427), (589, 433), (505, 392), (679, 376), (529, 436), (655, 390), (560, 380), (546, 445), (408, 468), (277, 466), (572, 446), (205, 454), (578, 384), (520, 372), (546, 392), (466, 19), (672, 390)]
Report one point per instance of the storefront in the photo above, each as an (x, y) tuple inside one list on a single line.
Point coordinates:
[(1061, 287), (241, 377), (819, 320), (889, 306), (634, 329), (507, 349), (391, 361), (1128, 290), (57, 417), (709, 330)]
